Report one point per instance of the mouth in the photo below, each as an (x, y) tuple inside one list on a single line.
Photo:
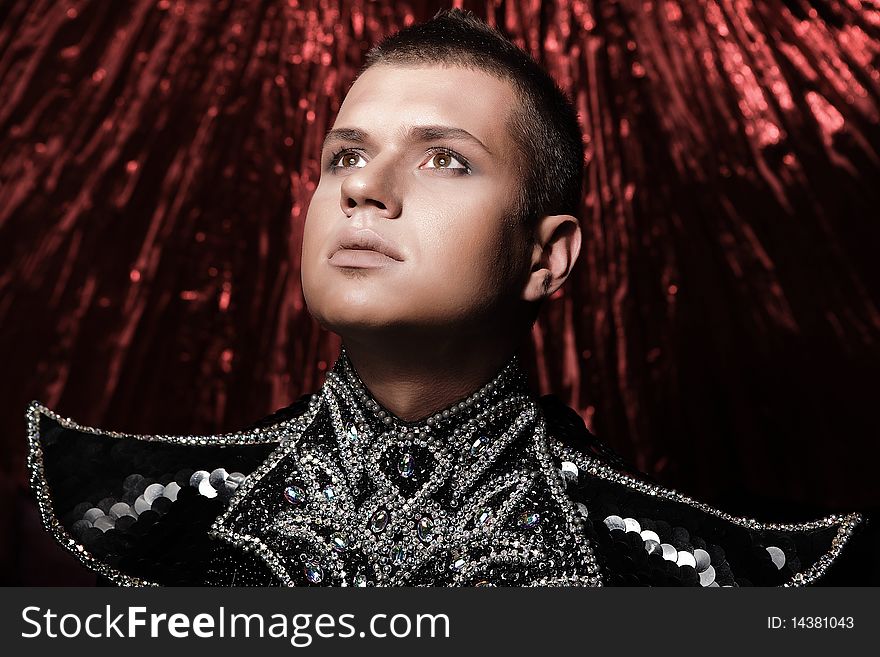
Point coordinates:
[(364, 247), (360, 259)]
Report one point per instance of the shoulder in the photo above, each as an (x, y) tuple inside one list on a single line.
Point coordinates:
[(647, 534), (136, 508), (567, 429)]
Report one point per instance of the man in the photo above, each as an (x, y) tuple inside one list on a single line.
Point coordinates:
[(444, 216)]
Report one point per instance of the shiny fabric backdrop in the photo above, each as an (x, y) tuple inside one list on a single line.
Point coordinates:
[(720, 329)]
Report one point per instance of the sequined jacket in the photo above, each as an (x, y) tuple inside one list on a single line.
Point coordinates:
[(210, 510)]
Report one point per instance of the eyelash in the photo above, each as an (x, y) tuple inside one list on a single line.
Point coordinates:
[(430, 152)]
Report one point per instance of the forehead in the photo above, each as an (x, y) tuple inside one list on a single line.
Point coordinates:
[(388, 97)]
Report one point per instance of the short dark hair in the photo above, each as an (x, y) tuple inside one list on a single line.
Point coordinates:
[(546, 129)]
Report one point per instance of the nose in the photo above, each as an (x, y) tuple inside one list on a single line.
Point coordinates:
[(371, 186)]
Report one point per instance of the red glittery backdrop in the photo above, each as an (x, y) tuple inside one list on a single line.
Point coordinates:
[(720, 329)]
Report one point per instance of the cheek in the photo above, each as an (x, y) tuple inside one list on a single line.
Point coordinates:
[(315, 241), (469, 257), (311, 239), (318, 223)]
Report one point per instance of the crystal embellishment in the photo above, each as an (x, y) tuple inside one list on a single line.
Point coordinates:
[(313, 572), (457, 562), (295, 495), (339, 542), (379, 521), (529, 519), (478, 446), (407, 465), (425, 529)]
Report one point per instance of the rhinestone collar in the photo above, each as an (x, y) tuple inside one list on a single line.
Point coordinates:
[(510, 381)]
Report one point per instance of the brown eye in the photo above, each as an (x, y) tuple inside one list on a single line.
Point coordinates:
[(346, 160), (448, 162)]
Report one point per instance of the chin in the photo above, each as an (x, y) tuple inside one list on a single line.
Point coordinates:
[(342, 317)]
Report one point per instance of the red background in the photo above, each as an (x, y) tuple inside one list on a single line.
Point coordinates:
[(720, 329)]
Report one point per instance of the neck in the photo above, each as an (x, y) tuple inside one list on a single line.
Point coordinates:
[(416, 383)]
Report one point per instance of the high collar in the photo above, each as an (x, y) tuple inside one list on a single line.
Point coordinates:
[(509, 381), (408, 462)]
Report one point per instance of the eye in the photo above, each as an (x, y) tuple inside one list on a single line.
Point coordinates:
[(445, 158), (347, 159)]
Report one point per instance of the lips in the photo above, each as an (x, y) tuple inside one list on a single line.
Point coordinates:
[(366, 239), (360, 259)]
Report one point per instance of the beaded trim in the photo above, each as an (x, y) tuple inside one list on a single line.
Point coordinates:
[(261, 435), (40, 485), (845, 523)]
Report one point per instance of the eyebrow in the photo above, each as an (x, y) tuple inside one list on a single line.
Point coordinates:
[(415, 133)]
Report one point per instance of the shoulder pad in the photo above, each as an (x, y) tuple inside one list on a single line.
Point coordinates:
[(650, 535), (136, 508)]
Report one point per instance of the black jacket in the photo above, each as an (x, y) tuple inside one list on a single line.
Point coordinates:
[(93, 490)]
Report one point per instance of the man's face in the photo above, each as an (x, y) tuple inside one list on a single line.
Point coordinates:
[(404, 162)]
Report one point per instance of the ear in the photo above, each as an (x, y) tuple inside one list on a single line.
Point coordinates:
[(557, 243)]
